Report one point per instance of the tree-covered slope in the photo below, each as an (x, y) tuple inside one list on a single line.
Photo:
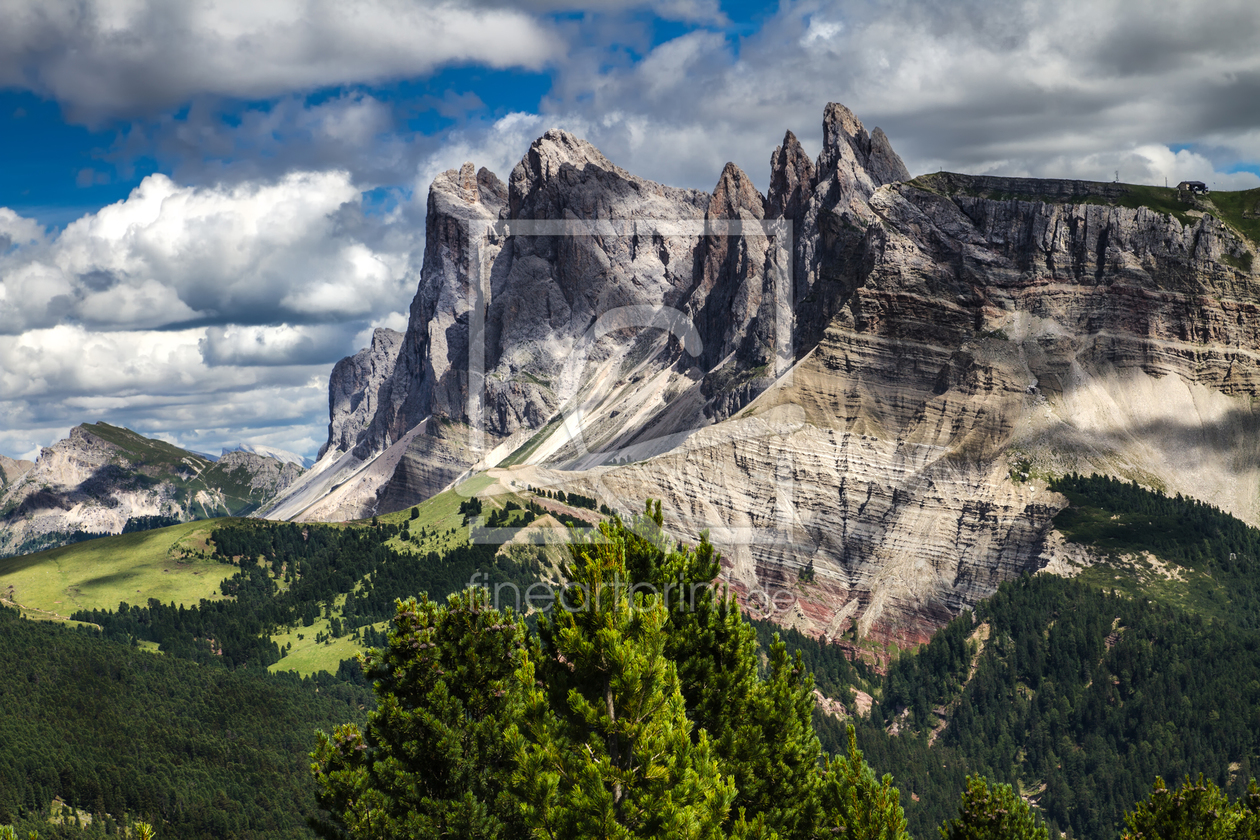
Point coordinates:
[(1079, 692), (200, 752)]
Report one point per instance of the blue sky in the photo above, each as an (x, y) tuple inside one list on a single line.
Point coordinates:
[(203, 206)]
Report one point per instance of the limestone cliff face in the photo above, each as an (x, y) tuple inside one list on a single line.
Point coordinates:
[(355, 388), (12, 469), (546, 318), (876, 395), (102, 476)]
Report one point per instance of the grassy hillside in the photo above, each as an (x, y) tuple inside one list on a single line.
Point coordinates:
[(1241, 211), (177, 565), (170, 564), (158, 456), (224, 742)]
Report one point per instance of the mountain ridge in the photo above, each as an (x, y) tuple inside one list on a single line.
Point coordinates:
[(101, 479), (882, 402)]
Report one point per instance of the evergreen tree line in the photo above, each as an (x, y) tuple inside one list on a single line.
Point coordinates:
[(124, 735), (316, 563), (572, 499), (1079, 699), (835, 674), (631, 716), (148, 523), (1118, 517)]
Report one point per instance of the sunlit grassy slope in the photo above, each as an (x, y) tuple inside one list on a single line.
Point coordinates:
[(442, 525), (170, 564)]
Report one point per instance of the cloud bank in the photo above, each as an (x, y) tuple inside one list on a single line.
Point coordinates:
[(109, 57), (205, 308)]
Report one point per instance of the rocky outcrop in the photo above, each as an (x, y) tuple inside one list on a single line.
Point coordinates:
[(859, 393), (102, 477), (262, 476), (284, 456), (355, 388), (12, 469)]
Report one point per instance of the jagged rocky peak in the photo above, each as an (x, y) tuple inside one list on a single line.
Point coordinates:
[(563, 176), (856, 160), (354, 389), (791, 180), (735, 195), (939, 333), (548, 155), (543, 293), (284, 456), (469, 184)]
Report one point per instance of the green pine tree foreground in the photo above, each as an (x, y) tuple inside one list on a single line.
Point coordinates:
[(639, 710), (636, 712), (1198, 810), (993, 812)]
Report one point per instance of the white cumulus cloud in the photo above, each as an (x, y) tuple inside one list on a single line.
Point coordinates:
[(209, 314), (286, 251), (112, 57)]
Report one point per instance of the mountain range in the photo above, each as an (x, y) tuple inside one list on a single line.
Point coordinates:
[(860, 383), (105, 479)]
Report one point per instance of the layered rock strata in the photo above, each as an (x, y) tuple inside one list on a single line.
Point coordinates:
[(860, 396)]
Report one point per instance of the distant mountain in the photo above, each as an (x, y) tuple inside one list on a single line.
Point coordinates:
[(105, 479), (282, 455)]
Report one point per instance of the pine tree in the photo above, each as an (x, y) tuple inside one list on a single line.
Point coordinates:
[(760, 729), (993, 813), (1249, 812), (433, 761), (608, 752), (1195, 811), (855, 804)]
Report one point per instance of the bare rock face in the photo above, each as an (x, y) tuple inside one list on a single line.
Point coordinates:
[(101, 477), (791, 180), (540, 318), (265, 476), (355, 388), (12, 469), (862, 412)]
